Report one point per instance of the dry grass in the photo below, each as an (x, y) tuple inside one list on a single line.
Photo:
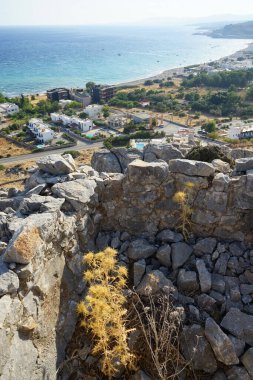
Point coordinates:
[(158, 323), (8, 149)]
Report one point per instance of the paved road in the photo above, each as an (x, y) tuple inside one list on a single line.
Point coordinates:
[(34, 156)]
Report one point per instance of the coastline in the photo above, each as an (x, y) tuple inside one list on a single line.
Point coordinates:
[(180, 70), (173, 72)]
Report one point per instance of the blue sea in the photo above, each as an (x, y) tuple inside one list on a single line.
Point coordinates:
[(34, 59)]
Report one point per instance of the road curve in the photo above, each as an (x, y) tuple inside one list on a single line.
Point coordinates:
[(34, 156)]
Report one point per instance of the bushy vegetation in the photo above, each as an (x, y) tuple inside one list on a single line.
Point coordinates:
[(183, 199), (103, 311), (74, 153), (223, 79), (208, 154)]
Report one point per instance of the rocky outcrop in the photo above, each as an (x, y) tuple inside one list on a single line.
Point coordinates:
[(45, 230)]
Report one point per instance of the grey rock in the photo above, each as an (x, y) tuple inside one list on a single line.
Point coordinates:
[(220, 343), (21, 363), (196, 348), (191, 168), (4, 349), (247, 361), (103, 240), (205, 302), (187, 281), (244, 164), (139, 269), (78, 193), (9, 282), (126, 156), (246, 289), (140, 249), (168, 236), (239, 324), (164, 255), (221, 263), (241, 153), (57, 164), (165, 152), (148, 173), (115, 243), (239, 345), (237, 373), (219, 375), (155, 281), (105, 161), (38, 204), (205, 246), (204, 276), (221, 166), (180, 254)]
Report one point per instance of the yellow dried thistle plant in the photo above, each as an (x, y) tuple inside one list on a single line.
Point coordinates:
[(183, 199), (103, 312)]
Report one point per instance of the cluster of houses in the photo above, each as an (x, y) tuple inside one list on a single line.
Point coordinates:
[(41, 131), (83, 124)]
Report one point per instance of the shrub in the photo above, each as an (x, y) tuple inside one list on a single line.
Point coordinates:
[(103, 312), (2, 167), (74, 153), (208, 154)]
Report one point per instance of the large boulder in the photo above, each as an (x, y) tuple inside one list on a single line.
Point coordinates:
[(247, 360), (244, 164), (239, 324), (125, 156), (220, 342), (155, 282), (196, 349), (105, 161), (204, 276), (78, 193), (57, 164), (147, 173), (192, 168), (140, 249), (165, 152), (180, 254)]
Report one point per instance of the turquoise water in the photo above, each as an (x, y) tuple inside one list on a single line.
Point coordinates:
[(34, 59), (139, 146)]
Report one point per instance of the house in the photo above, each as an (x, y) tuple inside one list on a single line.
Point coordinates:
[(8, 108), (41, 131), (57, 94), (64, 102), (93, 110), (117, 121), (84, 124), (140, 117), (145, 103), (246, 133), (234, 132)]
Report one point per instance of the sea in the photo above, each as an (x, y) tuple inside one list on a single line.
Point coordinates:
[(34, 59)]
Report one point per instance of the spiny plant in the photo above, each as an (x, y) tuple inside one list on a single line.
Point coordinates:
[(103, 312), (183, 199)]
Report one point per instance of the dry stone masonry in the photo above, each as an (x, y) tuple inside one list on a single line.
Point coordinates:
[(125, 200)]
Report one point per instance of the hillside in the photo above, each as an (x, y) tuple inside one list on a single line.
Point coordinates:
[(241, 30)]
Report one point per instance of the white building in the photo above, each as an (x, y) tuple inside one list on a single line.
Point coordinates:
[(93, 110), (64, 102), (117, 121), (8, 108), (234, 132), (84, 124), (41, 131)]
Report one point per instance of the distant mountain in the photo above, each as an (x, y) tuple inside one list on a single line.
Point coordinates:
[(241, 30)]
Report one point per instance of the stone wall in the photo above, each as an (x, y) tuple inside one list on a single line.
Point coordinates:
[(65, 211)]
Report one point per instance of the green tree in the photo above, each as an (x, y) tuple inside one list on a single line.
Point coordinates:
[(89, 87), (106, 111), (210, 127)]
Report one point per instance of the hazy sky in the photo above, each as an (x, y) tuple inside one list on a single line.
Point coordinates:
[(40, 12)]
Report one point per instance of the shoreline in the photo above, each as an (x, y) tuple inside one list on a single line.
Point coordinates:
[(180, 70), (173, 72)]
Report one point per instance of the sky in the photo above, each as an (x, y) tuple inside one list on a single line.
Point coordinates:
[(76, 12)]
